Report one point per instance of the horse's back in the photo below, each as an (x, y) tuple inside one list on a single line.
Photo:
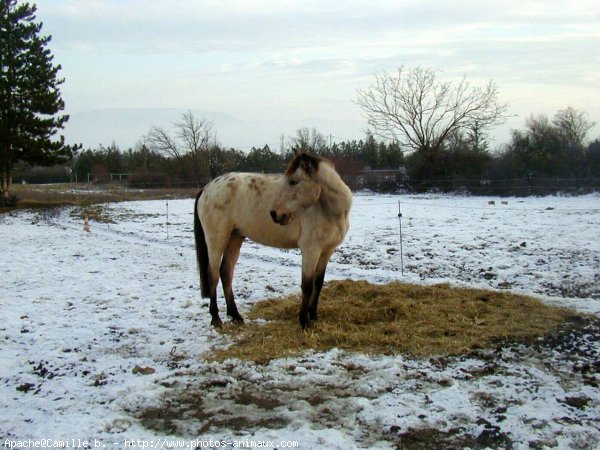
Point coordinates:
[(242, 201)]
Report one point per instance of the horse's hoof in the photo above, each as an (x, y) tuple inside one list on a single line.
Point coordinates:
[(236, 317), (304, 322), (238, 320), (217, 323)]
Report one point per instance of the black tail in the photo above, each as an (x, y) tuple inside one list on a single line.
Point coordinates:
[(201, 251)]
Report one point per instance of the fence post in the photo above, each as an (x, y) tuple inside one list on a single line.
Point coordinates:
[(401, 249), (167, 219)]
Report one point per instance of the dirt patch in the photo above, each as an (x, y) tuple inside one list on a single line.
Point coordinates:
[(453, 439), (393, 318), (228, 397), (332, 391), (98, 213), (214, 405)]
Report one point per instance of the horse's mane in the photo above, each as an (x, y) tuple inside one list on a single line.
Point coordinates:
[(309, 162)]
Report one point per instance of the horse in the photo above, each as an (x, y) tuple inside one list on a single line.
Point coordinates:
[(307, 207)]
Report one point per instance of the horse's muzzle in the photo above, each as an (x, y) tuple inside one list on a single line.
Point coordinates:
[(283, 219)]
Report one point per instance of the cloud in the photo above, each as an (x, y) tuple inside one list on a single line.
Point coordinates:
[(259, 27)]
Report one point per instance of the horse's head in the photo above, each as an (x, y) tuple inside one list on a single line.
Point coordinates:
[(299, 188)]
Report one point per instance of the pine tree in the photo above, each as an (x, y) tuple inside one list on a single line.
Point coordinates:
[(30, 99)]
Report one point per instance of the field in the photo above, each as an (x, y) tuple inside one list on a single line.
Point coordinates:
[(104, 335), (84, 194)]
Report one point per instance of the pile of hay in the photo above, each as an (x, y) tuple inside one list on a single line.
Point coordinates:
[(393, 318)]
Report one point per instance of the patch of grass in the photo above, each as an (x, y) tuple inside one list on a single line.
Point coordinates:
[(55, 195), (393, 318)]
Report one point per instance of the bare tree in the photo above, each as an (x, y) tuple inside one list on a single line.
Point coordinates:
[(197, 135), (192, 135), (141, 147), (282, 144), (573, 126), (420, 112), (309, 140), (193, 145), (160, 140)]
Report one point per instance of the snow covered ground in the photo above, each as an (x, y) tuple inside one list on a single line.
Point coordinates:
[(103, 335)]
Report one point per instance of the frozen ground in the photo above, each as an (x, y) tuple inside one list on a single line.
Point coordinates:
[(81, 312)]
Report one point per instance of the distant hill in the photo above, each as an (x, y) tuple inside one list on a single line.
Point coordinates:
[(125, 127)]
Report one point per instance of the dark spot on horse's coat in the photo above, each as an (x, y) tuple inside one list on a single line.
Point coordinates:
[(257, 186), (232, 185)]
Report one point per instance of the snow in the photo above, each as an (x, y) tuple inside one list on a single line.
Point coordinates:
[(81, 310)]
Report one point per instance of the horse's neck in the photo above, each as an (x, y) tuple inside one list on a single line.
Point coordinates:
[(336, 197)]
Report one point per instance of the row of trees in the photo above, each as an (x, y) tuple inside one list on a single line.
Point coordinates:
[(547, 155), (553, 148), (154, 165), (445, 125)]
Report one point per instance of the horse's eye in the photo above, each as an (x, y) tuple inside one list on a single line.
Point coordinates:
[(293, 182)]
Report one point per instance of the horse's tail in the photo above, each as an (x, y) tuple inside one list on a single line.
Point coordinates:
[(201, 251)]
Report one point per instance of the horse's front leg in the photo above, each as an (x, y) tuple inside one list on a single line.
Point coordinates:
[(319, 280), (310, 259), (307, 290)]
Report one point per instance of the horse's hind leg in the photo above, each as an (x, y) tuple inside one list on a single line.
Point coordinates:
[(214, 308), (215, 255), (230, 257)]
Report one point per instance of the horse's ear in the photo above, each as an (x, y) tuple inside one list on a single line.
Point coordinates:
[(308, 163), (297, 152)]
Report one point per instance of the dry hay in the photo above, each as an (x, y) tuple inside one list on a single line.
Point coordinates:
[(393, 318)]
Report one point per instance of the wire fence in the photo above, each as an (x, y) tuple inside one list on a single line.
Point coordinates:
[(390, 181), (507, 187), (492, 206)]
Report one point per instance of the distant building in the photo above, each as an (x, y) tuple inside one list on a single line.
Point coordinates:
[(382, 179)]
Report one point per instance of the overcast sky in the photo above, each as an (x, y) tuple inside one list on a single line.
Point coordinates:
[(296, 60)]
